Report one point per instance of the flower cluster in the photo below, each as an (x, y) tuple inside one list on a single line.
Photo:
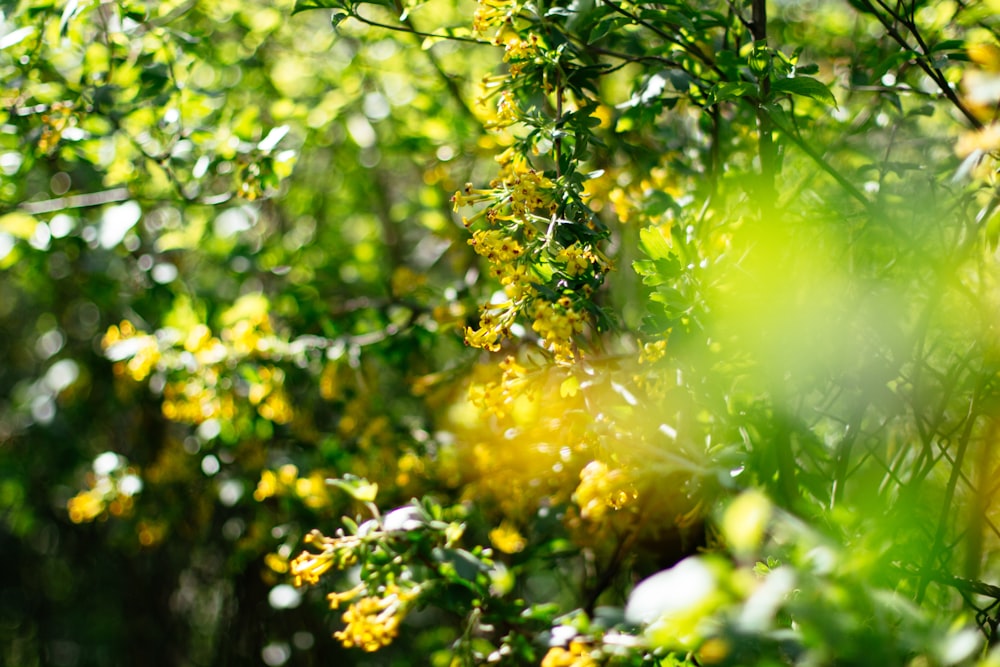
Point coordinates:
[(576, 655), (311, 489), (528, 438), (494, 14), (112, 485), (507, 538), (338, 552), (520, 443), (143, 350), (520, 207), (557, 324), (576, 259), (377, 604), (497, 396), (195, 400), (601, 489), (57, 120), (196, 367), (631, 199), (652, 351), (531, 224), (373, 621), (518, 53)]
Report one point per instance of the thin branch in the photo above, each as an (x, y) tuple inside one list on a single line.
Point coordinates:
[(923, 57), (767, 149), (821, 162), (77, 201), (449, 81), (970, 421), (419, 33), (691, 49)]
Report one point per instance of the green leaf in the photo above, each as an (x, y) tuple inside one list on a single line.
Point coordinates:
[(357, 487), (541, 612), (306, 5), (805, 86), (654, 244), (338, 16), (956, 45), (69, 12), (16, 37), (731, 90), (464, 564), (672, 299), (606, 26)]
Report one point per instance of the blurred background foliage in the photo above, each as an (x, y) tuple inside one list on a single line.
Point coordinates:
[(568, 333)]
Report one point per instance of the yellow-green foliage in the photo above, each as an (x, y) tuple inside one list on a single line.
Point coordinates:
[(574, 333)]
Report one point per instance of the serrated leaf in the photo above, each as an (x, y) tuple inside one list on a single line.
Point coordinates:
[(805, 86), (654, 243), (644, 267), (673, 300)]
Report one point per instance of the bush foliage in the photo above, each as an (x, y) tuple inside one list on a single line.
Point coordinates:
[(569, 333)]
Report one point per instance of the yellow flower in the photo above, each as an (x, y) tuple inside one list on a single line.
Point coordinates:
[(492, 327), (312, 490), (266, 487), (308, 567), (145, 358), (557, 323), (576, 259), (519, 52), (600, 489), (336, 598), (985, 139), (276, 563), (492, 13), (276, 408), (652, 352), (507, 538), (495, 246), (373, 622), (985, 55), (575, 656), (287, 474), (197, 338), (243, 336), (85, 506)]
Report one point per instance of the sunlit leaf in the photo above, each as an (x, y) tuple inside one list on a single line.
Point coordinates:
[(16, 36), (804, 86), (305, 5)]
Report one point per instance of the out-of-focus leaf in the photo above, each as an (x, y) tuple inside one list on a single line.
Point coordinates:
[(731, 90), (16, 36), (805, 86), (305, 5)]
